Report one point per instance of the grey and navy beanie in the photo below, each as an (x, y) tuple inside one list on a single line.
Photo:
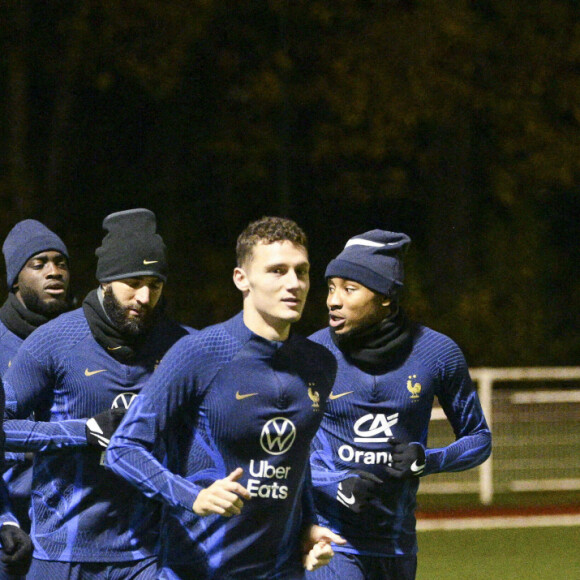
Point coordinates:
[(373, 259), (131, 247), (26, 239)]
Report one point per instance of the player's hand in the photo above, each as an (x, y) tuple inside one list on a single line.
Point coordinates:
[(16, 550), (408, 460), (316, 547), (222, 497), (100, 428), (357, 491)]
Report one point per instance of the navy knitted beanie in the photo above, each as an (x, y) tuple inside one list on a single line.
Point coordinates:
[(131, 247), (26, 239), (373, 259)]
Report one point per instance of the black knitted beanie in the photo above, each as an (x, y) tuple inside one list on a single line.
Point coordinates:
[(131, 247)]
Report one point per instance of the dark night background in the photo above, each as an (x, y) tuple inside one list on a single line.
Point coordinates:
[(457, 122)]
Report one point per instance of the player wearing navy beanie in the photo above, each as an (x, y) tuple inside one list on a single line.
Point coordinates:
[(371, 449), (37, 275)]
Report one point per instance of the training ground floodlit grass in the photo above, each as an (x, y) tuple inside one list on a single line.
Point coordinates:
[(550, 553)]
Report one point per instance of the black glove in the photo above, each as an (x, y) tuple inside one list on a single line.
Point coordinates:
[(101, 427), (16, 550), (408, 460), (357, 491)]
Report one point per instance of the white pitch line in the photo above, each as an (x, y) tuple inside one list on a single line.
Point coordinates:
[(495, 522)]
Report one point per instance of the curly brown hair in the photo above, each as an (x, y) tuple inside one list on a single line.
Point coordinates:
[(268, 230)]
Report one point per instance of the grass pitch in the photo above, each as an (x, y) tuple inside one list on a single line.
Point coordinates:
[(550, 553)]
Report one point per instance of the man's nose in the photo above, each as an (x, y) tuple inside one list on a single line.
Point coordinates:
[(333, 301), (143, 295), (52, 270), (292, 280)]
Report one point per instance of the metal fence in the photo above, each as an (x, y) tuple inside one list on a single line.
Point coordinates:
[(536, 433)]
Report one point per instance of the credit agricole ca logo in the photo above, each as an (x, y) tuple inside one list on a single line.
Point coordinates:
[(369, 429)]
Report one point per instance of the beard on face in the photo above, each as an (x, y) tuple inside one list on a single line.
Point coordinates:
[(49, 308), (119, 315)]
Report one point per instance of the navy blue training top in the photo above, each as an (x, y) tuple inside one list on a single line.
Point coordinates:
[(222, 399), (365, 411), (80, 511)]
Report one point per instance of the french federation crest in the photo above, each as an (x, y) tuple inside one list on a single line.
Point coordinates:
[(314, 396), (414, 389)]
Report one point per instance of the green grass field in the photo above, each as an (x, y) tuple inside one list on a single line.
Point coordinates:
[(550, 553), (430, 502)]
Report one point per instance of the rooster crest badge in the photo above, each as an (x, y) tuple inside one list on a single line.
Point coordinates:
[(414, 389), (314, 396)]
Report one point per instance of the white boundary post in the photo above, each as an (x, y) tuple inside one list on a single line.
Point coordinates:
[(484, 378)]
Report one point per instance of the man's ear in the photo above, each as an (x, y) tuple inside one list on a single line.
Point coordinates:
[(386, 301), (241, 279)]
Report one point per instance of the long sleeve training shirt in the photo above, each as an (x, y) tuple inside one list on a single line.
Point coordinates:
[(81, 512), (365, 411), (222, 399), (18, 474)]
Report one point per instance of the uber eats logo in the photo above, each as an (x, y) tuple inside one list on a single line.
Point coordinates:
[(277, 437), (370, 428)]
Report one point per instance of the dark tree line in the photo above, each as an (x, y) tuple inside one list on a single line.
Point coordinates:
[(457, 122)]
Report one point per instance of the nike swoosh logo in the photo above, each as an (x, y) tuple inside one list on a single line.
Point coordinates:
[(147, 262), (97, 432), (240, 397), (332, 396), (89, 373), (114, 347), (416, 468), (344, 499)]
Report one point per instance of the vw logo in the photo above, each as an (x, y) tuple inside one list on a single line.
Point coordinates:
[(278, 435), (123, 400)]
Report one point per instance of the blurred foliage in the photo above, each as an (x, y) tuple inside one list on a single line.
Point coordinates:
[(457, 122)]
